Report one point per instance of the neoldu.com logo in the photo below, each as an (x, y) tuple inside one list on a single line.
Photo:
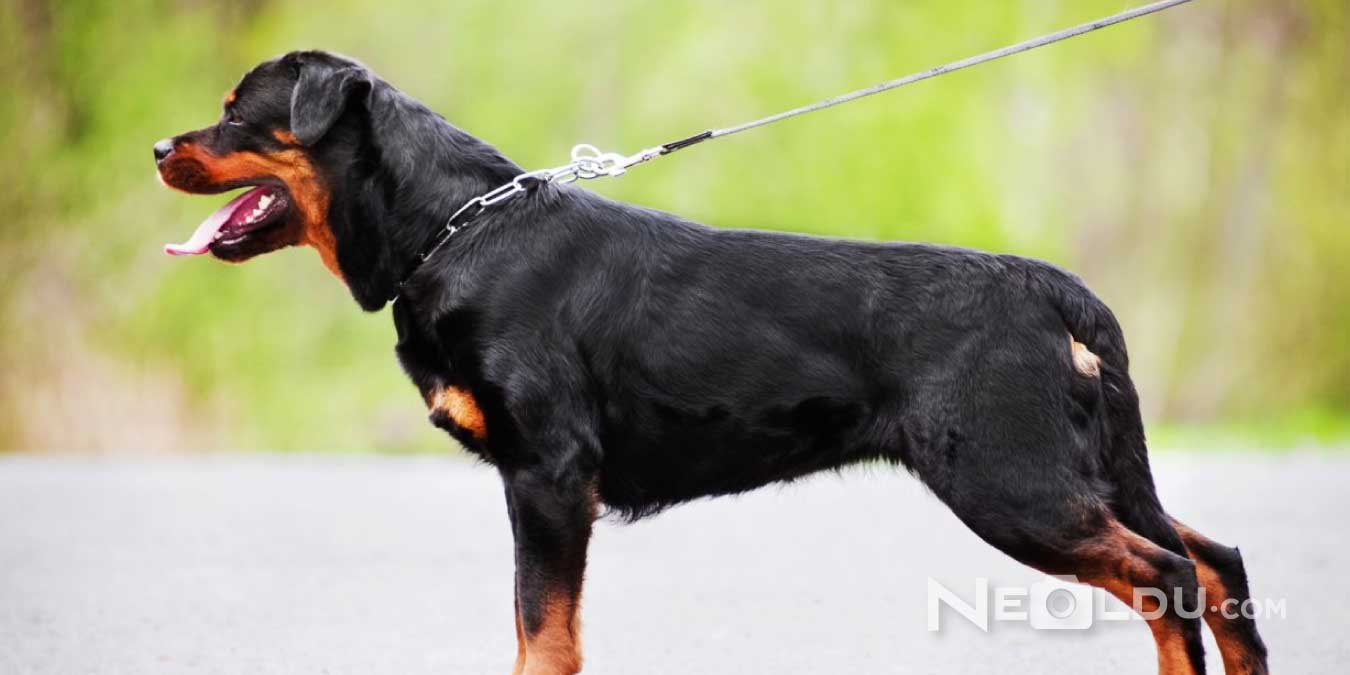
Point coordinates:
[(1061, 603)]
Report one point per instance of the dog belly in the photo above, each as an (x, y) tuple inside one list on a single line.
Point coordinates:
[(714, 451)]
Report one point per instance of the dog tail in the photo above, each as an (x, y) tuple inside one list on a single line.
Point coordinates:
[(1124, 451)]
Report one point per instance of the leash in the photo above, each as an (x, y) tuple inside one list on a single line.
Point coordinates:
[(589, 163)]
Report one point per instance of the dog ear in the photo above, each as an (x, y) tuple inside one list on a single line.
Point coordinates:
[(322, 93)]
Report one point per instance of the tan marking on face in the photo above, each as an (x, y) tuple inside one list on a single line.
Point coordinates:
[(555, 648), (1084, 361), (285, 137), (308, 195), (230, 96), (459, 405)]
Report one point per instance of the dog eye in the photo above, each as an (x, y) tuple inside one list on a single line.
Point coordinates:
[(233, 119)]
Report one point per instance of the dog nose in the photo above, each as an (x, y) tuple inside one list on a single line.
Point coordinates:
[(162, 150)]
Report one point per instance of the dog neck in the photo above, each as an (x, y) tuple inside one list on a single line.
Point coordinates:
[(412, 175)]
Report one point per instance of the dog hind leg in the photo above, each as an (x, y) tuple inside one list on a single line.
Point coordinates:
[(1224, 579), (1128, 566)]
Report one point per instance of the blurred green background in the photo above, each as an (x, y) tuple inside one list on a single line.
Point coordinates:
[(1193, 167)]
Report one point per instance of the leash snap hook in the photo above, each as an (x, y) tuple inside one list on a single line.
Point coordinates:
[(590, 162)]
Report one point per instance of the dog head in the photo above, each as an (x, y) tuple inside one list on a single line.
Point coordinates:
[(334, 158), (268, 139)]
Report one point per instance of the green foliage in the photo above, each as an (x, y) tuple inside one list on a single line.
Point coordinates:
[(1191, 166)]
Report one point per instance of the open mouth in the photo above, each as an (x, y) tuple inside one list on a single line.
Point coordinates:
[(231, 226)]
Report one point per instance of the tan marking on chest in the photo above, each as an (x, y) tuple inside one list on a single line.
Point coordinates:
[(460, 406)]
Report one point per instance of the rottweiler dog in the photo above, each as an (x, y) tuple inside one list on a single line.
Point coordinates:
[(609, 358)]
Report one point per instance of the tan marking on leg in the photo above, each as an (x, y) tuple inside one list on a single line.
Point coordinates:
[(1168, 639), (1237, 656), (461, 407), (1084, 361), (519, 668), (1216, 593), (555, 649), (1172, 657), (1123, 567)]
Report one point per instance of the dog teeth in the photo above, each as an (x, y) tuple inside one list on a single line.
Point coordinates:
[(260, 209)]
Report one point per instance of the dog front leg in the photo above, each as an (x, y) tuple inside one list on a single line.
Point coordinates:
[(551, 521)]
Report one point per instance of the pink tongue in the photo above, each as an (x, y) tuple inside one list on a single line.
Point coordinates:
[(201, 239)]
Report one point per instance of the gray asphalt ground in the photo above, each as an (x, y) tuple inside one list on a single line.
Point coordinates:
[(321, 564)]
